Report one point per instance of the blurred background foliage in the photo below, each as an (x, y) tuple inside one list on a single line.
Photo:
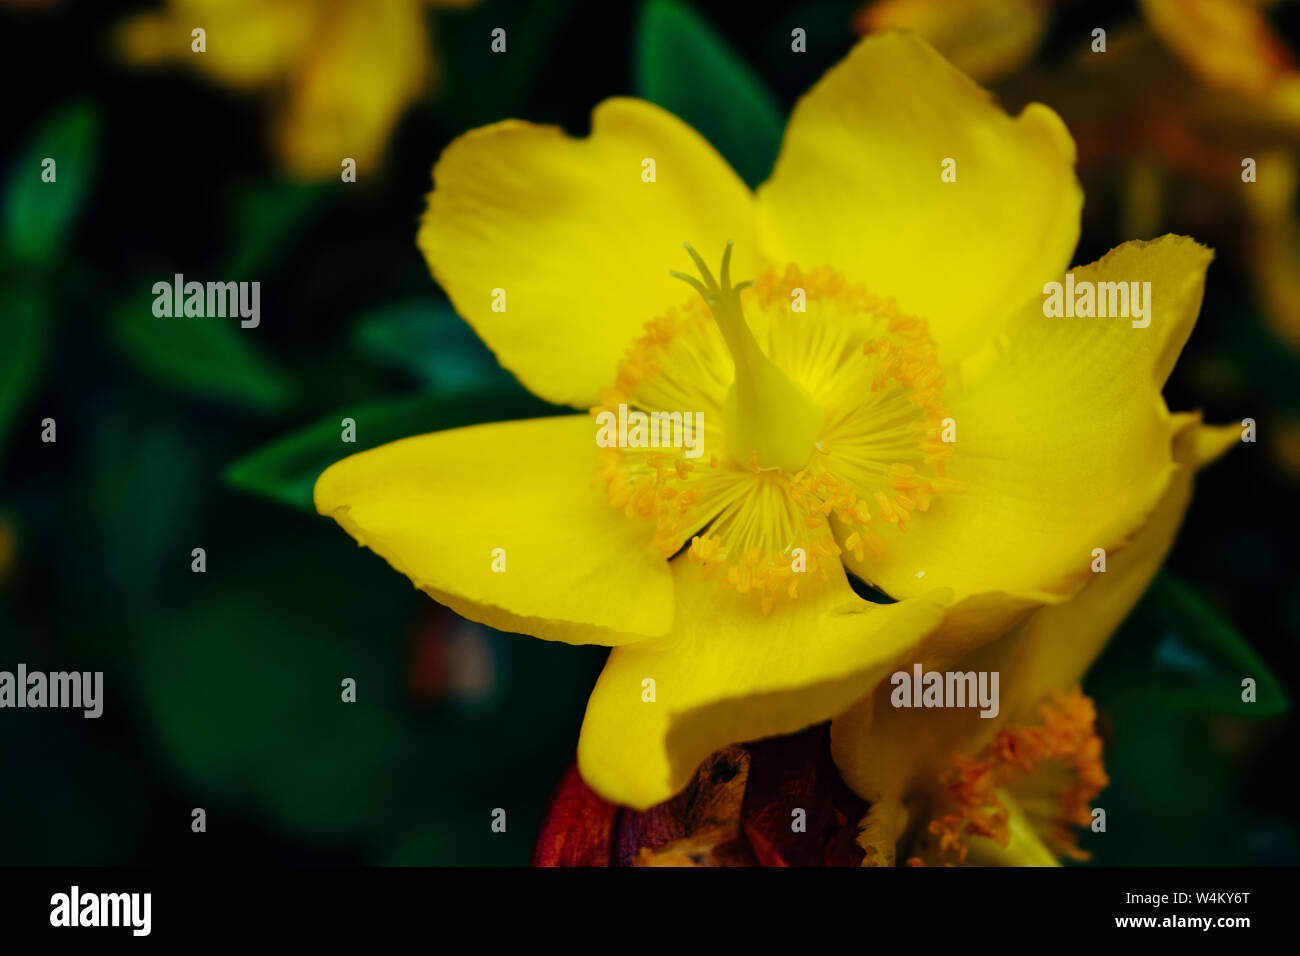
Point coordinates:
[(222, 688)]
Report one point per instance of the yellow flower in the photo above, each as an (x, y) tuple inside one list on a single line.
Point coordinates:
[(823, 430), (991, 38), (339, 72), (947, 785)]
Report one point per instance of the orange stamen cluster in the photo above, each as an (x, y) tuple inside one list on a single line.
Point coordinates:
[(1018, 753)]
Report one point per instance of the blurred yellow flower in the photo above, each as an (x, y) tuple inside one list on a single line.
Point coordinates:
[(889, 400), (338, 73), (1171, 110), (985, 39)]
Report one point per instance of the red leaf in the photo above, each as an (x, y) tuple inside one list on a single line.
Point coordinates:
[(576, 827), (792, 773)]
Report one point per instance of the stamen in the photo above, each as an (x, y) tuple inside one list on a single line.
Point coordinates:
[(1048, 773), (832, 427)]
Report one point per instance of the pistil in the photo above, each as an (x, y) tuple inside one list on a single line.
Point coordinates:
[(769, 420)]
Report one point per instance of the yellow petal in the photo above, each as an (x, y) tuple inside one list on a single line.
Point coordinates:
[(1054, 648), (1247, 58), (1063, 442), (727, 674), (248, 43), (578, 244), (886, 753), (438, 507), (366, 63), (858, 186), (985, 39)]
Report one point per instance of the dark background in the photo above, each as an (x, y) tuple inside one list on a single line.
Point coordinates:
[(222, 689)]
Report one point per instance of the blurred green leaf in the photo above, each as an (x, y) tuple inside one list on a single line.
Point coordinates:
[(138, 502), (480, 86), (286, 469), (206, 356), (431, 342), (1174, 669), (39, 215), (685, 67), (22, 354), (1173, 798), (242, 680), (1176, 654), (243, 686), (265, 216)]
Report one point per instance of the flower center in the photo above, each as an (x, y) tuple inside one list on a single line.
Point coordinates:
[(818, 427), (767, 418)]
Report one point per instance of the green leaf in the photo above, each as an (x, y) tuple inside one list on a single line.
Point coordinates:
[(240, 680), (431, 342), (286, 470), (39, 215), (265, 217), (22, 349), (1166, 781), (464, 99), (685, 67), (277, 642), (205, 356), (138, 503), (214, 357), (1177, 654)]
